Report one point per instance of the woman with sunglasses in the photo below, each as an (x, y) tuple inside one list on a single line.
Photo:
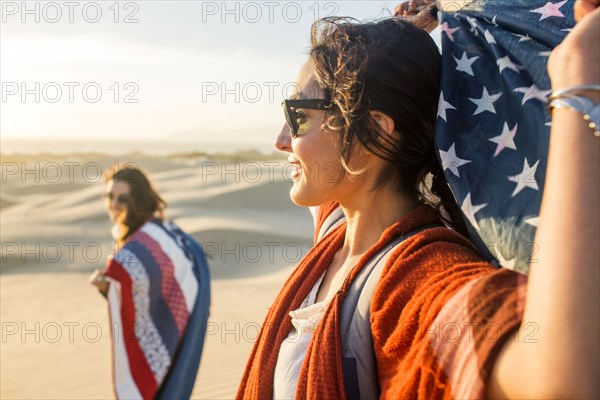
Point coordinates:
[(157, 287), (441, 322), (130, 200)]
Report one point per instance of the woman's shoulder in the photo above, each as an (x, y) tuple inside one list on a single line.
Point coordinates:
[(434, 254), (437, 246), (437, 263), (155, 231), (426, 244), (438, 266)]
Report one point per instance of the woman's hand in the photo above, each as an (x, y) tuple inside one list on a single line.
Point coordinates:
[(412, 7), (584, 7), (99, 280), (419, 12), (576, 61)]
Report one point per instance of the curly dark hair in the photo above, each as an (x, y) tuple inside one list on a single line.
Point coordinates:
[(393, 67), (145, 202)]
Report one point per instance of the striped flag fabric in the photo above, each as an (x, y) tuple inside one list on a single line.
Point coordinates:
[(493, 125), (158, 303)]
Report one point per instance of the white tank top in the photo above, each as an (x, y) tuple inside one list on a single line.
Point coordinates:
[(293, 349)]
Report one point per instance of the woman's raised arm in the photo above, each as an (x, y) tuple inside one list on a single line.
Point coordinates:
[(563, 294)]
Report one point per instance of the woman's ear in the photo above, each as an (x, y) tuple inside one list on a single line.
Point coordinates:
[(385, 122)]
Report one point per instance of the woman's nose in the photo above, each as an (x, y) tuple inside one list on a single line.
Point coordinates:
[(283, 141)]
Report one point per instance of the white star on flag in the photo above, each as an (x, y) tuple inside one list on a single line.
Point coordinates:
[(510, 264), (465, 63), (526, 178), (470, 210), (533, 92), (506, 62), (443, 105), (505, 139), (448, 31), (550, 10), (473, 22), (486, 102), (533, 221), (493, 21), (451, 161), (522, 38), (489, 37)]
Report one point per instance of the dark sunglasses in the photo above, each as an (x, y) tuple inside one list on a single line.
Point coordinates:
[(121, 199), (291, 116)]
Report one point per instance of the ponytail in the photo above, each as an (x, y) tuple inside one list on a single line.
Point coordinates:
[(443, 199)]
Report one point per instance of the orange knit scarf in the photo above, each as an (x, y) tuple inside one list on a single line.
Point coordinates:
[(257, 381)]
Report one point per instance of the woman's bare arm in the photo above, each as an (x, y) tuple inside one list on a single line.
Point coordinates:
[(563, 296)]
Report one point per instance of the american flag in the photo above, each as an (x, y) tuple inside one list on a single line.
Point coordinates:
[(493, 126), (158, 300)]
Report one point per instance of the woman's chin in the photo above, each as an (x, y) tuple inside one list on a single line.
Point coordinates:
[(300, 198)]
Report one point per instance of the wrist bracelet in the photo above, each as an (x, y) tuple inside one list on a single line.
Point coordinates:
[(572, 90), (589, 110)]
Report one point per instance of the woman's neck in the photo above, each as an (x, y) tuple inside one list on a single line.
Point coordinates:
[(369, 214)]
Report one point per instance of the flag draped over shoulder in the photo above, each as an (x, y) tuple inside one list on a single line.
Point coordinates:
[(493, 125), (159, 298)]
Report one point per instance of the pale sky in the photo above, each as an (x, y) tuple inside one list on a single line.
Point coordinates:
[(200, 71)]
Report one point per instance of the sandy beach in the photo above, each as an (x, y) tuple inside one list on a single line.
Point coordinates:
[(56, 335)]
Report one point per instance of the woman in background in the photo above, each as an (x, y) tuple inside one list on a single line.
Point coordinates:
[(157, 286)]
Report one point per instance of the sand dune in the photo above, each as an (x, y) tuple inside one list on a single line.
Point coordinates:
[(55, 330), (7, 201)]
